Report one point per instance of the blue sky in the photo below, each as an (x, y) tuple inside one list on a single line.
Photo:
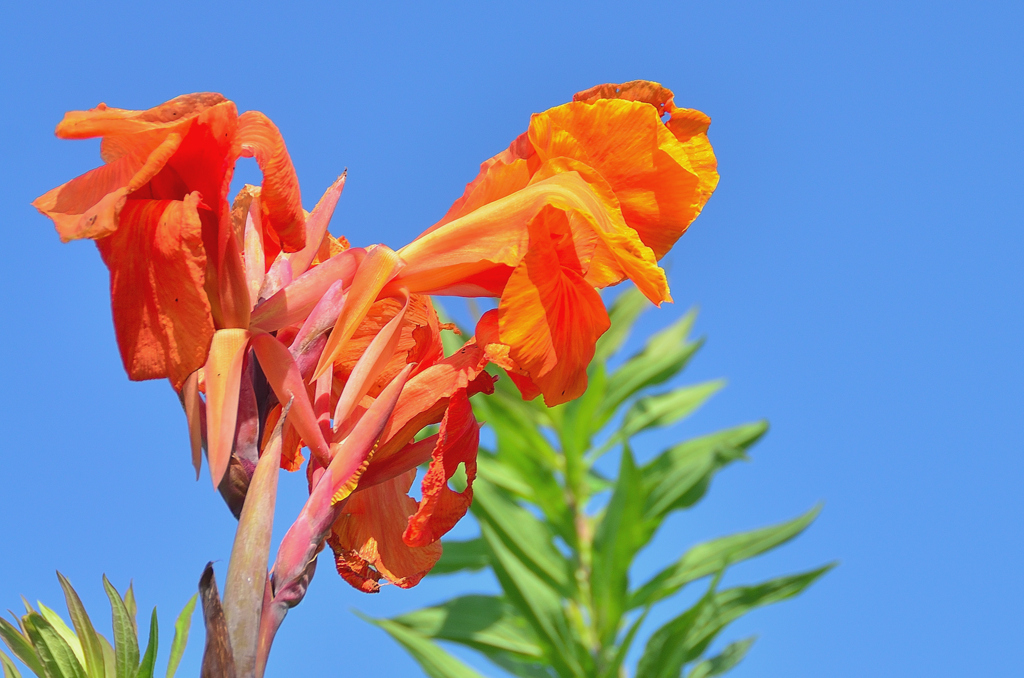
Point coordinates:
[(859, 274)]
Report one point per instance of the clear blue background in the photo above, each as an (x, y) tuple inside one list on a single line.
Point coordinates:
[(859, 272)]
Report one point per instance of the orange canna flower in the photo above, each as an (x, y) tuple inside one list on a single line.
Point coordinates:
[(159, 214), (593, 193)]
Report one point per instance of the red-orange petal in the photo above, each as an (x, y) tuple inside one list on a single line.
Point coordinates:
[(281, 201), (367, 538), (551, 318), (157, 267), (441, 507)]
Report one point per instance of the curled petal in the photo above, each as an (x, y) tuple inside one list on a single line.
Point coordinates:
[(441, 506), (367, 538), (89, 206), (280, 200)]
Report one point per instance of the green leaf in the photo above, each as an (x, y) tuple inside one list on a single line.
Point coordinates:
[(21, 646), (459, 556), (109, 658), (666, 409), (126, 642), (618, 537), (665, 355), (725, 661), (61, 627), (577, 424), (680, 476), (685, 637), (181, 628), (132, 607), (526, 480), (56, 656), (717, 554), (10, 670), (484, 623), (87, 636), (149, 657), (623, 314), (529, 539), (435, 662), (539, 603)]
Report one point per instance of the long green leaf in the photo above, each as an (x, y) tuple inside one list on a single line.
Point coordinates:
[(665, 409), (484, 623), (685, 637), (539, 603), (577, 423), (524, 479), (618, 537), (679, 476), (181, 628), (126, 642), (714, 555), (523, 534), (10, 670), (724, 661), (21, 646), (56, 656), (435, 662), (109, 658), (149, 657), (87, 636), (61, 627), (132, 607), (460, 556), (664, 356)]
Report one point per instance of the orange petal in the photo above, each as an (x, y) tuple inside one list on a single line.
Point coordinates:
[(375, 271), (499, 353), (367, 538), (106, 121), (689, 126), (284, 377), (157, 266), (369, 366), (89, 206), (193, 406), (551, 319), (645, 164), (281, 202), (441, 506), (223, 380), (292, 304), (425, 400), (288, 266)]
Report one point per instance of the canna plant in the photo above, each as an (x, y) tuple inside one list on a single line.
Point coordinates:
[(50, 648), (291, 349), (568, 606)]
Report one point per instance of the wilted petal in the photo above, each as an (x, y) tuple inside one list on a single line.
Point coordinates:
[(367, 538), (441, 507)]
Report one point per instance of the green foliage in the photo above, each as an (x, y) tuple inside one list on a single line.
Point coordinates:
[(568, 607), (51, 649)]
